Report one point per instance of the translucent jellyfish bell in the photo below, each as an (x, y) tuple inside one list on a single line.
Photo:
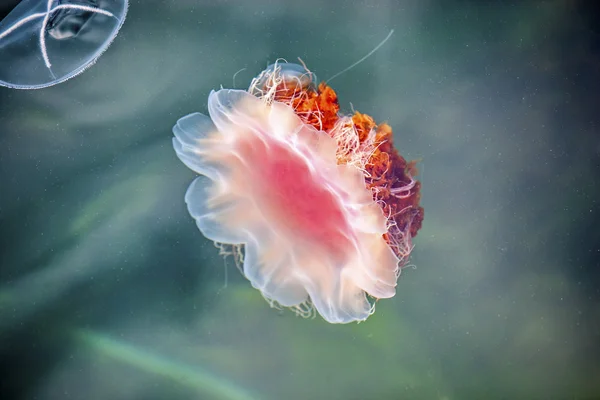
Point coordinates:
[(45, 42)]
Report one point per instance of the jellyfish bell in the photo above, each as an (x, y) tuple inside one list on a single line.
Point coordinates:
[(46, 42), (321, 203)]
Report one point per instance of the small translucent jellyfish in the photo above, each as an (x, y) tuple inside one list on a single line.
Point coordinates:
[(46, 42), (317, 207)]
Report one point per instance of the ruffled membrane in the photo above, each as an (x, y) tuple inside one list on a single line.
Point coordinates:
[(311, 232)]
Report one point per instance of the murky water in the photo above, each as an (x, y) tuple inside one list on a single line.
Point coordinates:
[(108, 290)]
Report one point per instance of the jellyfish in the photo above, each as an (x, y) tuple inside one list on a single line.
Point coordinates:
[(46, 42), (317, 207)]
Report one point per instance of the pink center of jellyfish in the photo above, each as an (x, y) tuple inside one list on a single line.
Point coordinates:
[(293, 196)]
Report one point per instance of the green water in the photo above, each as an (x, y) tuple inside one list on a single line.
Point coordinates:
[(108, 290)]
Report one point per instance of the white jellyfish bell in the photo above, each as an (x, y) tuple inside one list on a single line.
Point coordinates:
[(46, 42)]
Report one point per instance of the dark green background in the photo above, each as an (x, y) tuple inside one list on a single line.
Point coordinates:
[(108, 290)]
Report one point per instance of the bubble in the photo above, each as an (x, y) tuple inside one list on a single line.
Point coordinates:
[(46, 42)]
